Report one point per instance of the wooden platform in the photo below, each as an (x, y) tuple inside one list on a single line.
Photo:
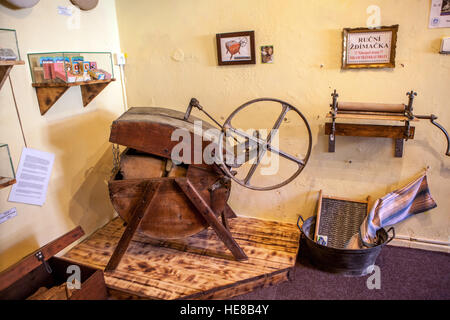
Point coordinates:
[(199, 267)]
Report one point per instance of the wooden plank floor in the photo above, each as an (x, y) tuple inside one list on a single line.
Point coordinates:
[(199, 267)]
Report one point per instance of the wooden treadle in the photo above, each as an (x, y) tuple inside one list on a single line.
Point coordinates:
[(198, 267)]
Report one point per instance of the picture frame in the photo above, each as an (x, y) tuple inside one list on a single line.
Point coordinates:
[(266, 54), (369, 47), (236, 48)]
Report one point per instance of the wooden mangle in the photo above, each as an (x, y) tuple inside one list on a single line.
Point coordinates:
[(399, 112), (167, 201)]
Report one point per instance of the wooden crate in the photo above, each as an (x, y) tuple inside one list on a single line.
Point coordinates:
[(25, 278), (198, 267)]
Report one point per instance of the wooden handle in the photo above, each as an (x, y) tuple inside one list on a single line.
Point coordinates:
[(319, 210), (362, 106)]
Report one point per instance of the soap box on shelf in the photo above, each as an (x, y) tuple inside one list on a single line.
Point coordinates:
[(46, 63), (107, 74), (77, 64), (86, 66), (445, 45), (59, 68), (96, 74)]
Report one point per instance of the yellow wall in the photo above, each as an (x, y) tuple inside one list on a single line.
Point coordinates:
[(77, 194), (172, 57), (155, 34)]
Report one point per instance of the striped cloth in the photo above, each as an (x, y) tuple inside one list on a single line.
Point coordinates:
[(394, 207)]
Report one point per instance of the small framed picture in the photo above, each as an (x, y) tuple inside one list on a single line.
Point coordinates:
[(267, 54), (236, 48), (369, 48)]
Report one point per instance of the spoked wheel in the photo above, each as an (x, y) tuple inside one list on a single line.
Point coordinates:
[(264, 145)]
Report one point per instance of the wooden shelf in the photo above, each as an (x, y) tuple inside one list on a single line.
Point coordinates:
[(49, 93), (398, 133), (6, 182), (73, 84), (5, 69), (11, 62)]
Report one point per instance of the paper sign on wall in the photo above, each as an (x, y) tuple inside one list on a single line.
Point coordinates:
[(5, 216), (440, 14), (65, 11), (33, 176), (369, 47)]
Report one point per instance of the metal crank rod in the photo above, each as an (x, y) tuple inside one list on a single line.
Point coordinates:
[(432, 119), (195, 103), (409, 113)]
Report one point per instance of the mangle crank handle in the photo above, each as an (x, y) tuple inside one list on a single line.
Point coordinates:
[(193, 103), (432, 119)]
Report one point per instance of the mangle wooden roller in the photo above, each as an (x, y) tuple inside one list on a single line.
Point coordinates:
[(376, 111), (166, 199)]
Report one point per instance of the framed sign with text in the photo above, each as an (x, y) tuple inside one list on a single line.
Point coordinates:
[(369, 48)]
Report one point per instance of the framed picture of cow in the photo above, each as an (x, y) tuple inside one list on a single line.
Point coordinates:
[(236, 48)]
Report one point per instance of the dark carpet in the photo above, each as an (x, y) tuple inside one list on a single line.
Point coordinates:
[(406, 274)]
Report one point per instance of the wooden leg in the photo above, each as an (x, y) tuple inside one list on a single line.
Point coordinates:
[(331, 143), (399, 148), (207, 213), (225, 221), (291, 274), (141, 209), (218, 199), (229, 213)]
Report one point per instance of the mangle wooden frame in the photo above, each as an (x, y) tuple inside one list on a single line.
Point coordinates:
[(143, 208)]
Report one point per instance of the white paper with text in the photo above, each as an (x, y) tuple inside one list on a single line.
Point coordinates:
[(33, 176), (7, 215)]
